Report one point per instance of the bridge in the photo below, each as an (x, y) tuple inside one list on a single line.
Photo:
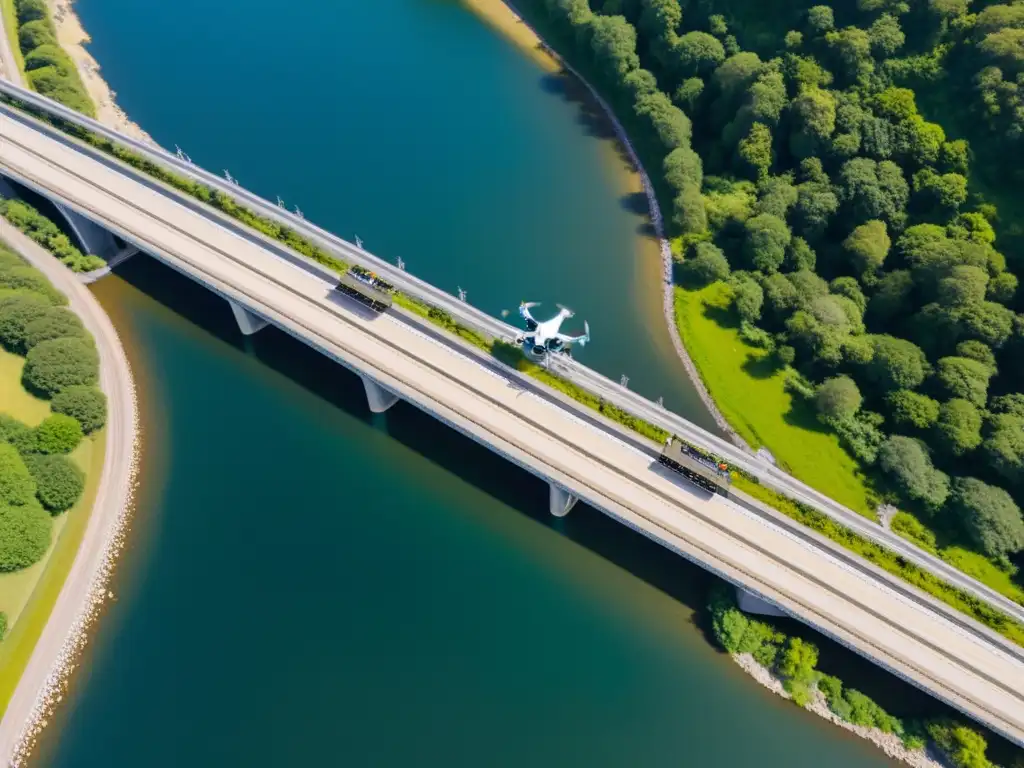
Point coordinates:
[(777, 564)]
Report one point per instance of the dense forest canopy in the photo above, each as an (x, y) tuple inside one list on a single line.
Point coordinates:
[(867, 247)]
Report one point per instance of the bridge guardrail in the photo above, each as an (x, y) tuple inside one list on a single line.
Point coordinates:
[(586, 378)]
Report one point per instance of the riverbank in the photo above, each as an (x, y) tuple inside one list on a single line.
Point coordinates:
[(72, 38), (84, 590), (505, 17), (891, 744)]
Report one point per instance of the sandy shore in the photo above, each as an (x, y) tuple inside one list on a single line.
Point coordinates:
[(45, 678), (503, 15), (72, 38)]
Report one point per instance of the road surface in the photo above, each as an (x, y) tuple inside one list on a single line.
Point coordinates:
[(908, 636)]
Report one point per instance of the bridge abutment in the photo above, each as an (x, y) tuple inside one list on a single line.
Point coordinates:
[(380, 399), (750, 603), (248, 323), (92, 237), (560, 501)]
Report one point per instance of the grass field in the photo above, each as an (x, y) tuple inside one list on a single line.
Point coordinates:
[(749, 390), (27, 596), (14, 400)]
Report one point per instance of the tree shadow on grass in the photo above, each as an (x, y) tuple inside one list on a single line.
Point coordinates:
[(802, 416), (761, 366), (721, 316)]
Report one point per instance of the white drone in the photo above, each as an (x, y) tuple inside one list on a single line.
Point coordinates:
[(545, 337)]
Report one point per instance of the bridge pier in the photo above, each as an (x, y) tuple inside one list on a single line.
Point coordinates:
[(248, 323), (560, 501), (750, 603), (380, 399), (91, 237)]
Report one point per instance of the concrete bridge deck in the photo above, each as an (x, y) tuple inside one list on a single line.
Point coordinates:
[(909, 637)]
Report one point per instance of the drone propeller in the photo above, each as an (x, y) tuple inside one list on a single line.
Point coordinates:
[(586, 334), (568, 312)]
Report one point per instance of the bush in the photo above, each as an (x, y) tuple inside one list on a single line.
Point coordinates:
[(24, 535), (57, 433), (59, 483), (16, 313), (29, 279), (49, 56), (837, 399), (16, 433), (16, 483), (35, 34), (964, 747), (60, 363), (31, 10), (87, 405), (56, 323)]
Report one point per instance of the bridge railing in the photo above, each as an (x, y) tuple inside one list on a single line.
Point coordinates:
[(587, 379)]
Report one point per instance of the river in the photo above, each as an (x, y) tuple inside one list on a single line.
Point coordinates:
[(310, 585)]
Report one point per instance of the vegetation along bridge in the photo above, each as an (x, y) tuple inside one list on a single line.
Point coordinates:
[(581, 455)]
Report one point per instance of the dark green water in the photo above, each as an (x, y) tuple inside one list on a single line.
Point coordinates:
[(308, 585)]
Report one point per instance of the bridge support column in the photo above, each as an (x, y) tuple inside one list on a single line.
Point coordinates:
[(248, 323), (92, 237), (560, 501), (749, 603), (379, 398)]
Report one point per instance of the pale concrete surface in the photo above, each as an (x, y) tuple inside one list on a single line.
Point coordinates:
[(907, 637)]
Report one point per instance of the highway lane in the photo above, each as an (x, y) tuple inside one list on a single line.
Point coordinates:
[(583, 376), (907, 637)]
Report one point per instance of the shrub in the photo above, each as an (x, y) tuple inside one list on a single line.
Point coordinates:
[(964, 747), (87, 405), (988, 515), (35, 34), (31, 10), (16, 433), (16, 313), (60, 363), (837, 399), (24, 535), (56, 323), (31, 280), (59, 483), (58, 433), (16, 483), (49, 55)]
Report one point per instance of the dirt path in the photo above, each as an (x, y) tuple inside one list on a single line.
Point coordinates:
[(63, 637)]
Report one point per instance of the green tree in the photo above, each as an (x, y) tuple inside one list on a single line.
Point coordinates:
[(1004, 446), (837, 399), (816, 204), (821, 19), (35, 34), (58, 433), (851, 49), (767, 238), (16, 484), (961, 377), (613, 41), (965, 285), (886, 36), (697, 54), (755, 151), (874, 190), (688, 211), (16, 312), (911, 469), (989, 517), (958, 429), (814, 120), (672, 127), (867, 246), (31, 10), (707, 265), (945, 193), (913, 410), (797, 667), (975, 350), (683, 168), (24, 535), (896, 364), (688, 94), (87, 405), (1002, 287), (59, 482), (60, 363), (747, 297)]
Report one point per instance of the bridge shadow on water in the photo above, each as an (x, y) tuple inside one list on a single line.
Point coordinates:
[(662, 569)]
